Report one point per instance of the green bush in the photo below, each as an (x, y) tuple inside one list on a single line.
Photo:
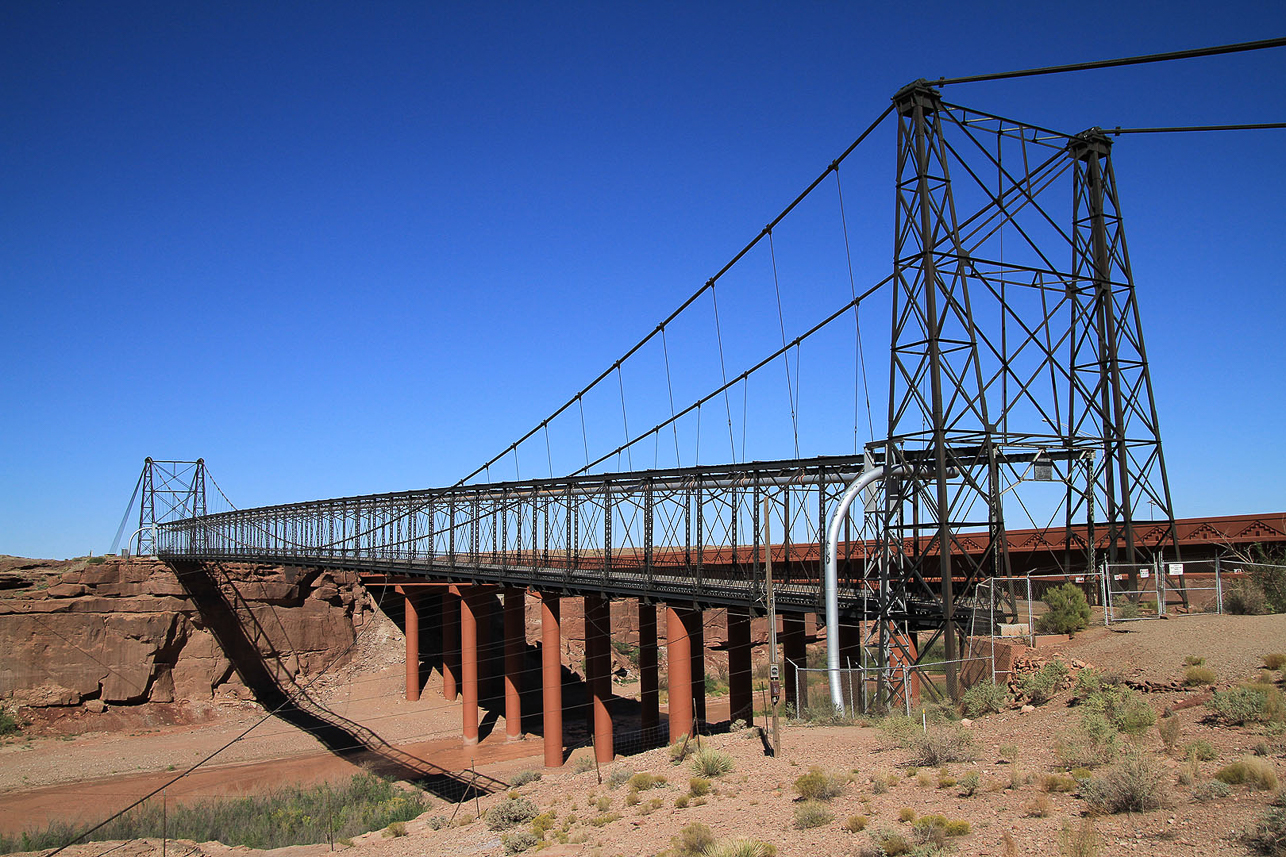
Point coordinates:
[(288, 816), (9, 724), (510, 813), (891, 843), (698, 787), (1069, 612), (812, 813), (986, 697), (1202, 750), (1124, 708), (1212, 790), (1250, 703), (1039, 687), (1269, 575)]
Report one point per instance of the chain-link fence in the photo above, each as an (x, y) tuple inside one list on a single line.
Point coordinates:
[(870, 688)]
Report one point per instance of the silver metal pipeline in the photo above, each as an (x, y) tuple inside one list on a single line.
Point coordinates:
[(830, 581)]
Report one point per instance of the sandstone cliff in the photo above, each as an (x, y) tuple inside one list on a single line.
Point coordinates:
[(125, 631)]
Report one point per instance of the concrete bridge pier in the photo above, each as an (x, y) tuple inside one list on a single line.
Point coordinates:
[(450, 643), (678, 634), (649, 686), (551, 671), (794, 652), (412, 623), (741, 704), (470, 608), (598, 663), (515, 642)]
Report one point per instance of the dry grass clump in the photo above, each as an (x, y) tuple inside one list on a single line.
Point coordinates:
[(891, 843), (1197, 676), (741, 848), (643, 781), (1079, 841), (855, 824), (693, 840), (1251, 771), (812, 813), (819, 785), (941, 744), (709, 762), (1274, 661), (1057, 783)]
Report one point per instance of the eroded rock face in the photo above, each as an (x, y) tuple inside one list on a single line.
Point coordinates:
[(125, 631)]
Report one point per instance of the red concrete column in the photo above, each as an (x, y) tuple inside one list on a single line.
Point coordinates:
[(450, 643), (741, 704), (679, 657), (793, 650), (551, 673), (598, 641), (696, 630), (411, 625), (515, 641), (469, 664), (649, 687)]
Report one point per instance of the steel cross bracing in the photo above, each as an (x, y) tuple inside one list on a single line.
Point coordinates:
[(1015, 340), (688, 534)]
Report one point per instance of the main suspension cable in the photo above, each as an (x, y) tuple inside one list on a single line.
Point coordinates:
[(709, 284), (1261, 126), (1192, 53)]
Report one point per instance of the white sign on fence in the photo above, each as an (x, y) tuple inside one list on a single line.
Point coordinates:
[(1175, 569)]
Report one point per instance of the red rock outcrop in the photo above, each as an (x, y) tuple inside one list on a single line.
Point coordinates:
[(125, 631)]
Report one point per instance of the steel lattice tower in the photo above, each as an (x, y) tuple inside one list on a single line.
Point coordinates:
[(1003, 360)]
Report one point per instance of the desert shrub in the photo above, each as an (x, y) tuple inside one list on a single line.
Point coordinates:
[(985, 697), (604, 803), (709, 762), (519, 841), (741, 848), (604, 818), (632, 797), (1094, 743), (1195, 676), (1124, 608), (958, 827), (1268, 835), (1270, 576), (1039, 687), (906, 814), (1124, 708), (970, 783), (1210, 790), (522, 778), (394, 830), (855, 824), (1058, 783), (1079, 841), (1008, 753), (618, 776), (923, 780), (812, 813), (682, 801), (900, 729), (1245, 598), (1274, 661), (891, 843), (9, 724), (693, 840), (511, 812), (1249, 703), (1250, 771), (681, 749), (643, 781), (543, 823), (1194, 660), (1168, 728), (1069, 612), (819, 785), (1203, 750), (945, 780), (698, 787), (942, 744), (1038, 807), (1136, 784), (437, 822)]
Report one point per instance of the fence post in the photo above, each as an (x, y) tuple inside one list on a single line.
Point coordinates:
[(1218, 588), (1160, 573), (1031, 622), (906, 690)]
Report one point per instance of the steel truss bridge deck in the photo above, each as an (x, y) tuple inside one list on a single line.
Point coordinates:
[(686, 535)]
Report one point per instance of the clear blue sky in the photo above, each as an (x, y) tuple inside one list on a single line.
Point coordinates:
[(348, 248)]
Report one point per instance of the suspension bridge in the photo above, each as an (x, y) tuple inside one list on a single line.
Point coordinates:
[(1015, 357)]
